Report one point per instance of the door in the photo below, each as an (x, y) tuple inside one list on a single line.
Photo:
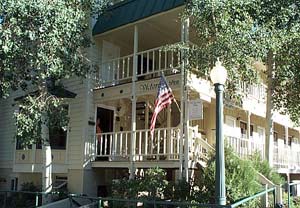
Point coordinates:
[(104, 129)]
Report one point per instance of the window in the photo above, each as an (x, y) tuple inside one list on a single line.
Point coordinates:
[(275, 136), (57, 134), (243, 127)]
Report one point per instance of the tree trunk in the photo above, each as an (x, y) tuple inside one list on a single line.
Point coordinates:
[(269, 109), (47, 160)]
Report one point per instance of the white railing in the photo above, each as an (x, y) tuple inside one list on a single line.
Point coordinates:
[(165, 145), (286, 156), (149, 63), (198, 146), (117, 145), (256, 91), (245, 147)]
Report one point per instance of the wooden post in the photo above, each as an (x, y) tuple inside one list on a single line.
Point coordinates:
[(133, 101)]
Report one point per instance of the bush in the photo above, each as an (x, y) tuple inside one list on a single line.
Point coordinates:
[(241, 179), (263, 167)]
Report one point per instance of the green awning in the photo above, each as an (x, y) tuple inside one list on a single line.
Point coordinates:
[(130, 11)]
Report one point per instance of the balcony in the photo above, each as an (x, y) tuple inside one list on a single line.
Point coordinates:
[(245, 147), (164, 147), (285, 157), (150, 63)]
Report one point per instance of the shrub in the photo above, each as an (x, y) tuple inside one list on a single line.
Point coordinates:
[(263, 167), (241, 179)]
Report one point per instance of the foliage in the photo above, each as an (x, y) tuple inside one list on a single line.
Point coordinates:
[(124, 188), (42, 41), (152, 186), (243, 33), (241, 179), (24, 199), (180, 190), (263, 167), (154, 183), (29, 117)]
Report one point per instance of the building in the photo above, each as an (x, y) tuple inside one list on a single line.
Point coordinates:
[(131, 50)]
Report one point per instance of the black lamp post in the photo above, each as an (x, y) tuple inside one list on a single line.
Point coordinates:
[(218, 76)]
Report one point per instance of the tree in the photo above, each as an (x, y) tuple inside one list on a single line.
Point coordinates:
[(242, 33), (42, 43)]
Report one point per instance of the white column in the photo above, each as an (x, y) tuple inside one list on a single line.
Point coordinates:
[(286, 134), (47, 161), (133, 104), (184, 100), (169, 131), (181, 106), (248, 132), (286, 147)]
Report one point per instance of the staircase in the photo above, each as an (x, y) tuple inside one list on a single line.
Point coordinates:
[(141, 114)]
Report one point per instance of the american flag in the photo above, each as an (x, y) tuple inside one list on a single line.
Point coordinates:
[(163, 99)]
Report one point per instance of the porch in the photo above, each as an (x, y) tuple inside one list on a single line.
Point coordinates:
[(164, 149)]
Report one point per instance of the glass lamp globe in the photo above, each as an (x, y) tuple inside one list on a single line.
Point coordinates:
[(218, 74)]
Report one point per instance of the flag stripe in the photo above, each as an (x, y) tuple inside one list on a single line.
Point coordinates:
[(163, 99)]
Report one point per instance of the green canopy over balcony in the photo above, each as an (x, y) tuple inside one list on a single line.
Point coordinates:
[(130, 11)]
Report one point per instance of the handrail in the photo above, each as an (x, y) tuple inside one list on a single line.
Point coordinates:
[(36, 193), (247, 199), (289, 192), (153, 202)]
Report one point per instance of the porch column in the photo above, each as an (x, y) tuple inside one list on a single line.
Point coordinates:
[(286, 134), (133, 104), (286, 146), (33, 152), (169, 132), (184, 99), (249, 150)]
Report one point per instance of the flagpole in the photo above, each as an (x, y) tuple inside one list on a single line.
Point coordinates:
[(162, 74)]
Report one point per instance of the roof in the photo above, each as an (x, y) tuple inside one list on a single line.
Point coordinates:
[(130, 11)]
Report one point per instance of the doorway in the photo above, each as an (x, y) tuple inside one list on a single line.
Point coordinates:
[(104, 125)]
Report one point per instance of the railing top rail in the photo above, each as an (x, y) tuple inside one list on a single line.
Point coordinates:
[(119, 58), (157, 202), (29, 192), (138, 53), (140, 130), (242, 201)]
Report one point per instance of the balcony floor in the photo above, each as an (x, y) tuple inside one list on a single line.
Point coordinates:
[(137, 164)]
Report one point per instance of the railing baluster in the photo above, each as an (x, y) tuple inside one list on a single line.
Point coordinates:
[(171, 143), (148, 60), (158, 144), (146, 142), (118, 70), (153, 61), (101, 144), (159, 60), (172, 59), (165, 139), (142, 63), (166, 60), (121, 144), (128, 67), (140, 143)]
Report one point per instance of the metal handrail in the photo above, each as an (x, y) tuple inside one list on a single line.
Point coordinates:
[(249, 198)]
